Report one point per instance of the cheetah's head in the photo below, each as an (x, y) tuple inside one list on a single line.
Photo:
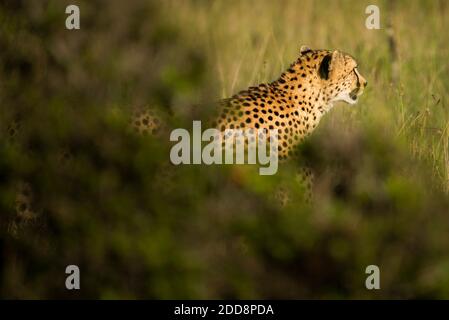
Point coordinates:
[(338, 73)]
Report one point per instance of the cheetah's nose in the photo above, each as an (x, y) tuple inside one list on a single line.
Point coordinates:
[(366, 83)]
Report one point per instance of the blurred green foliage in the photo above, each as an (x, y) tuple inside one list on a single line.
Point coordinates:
[(140, 228)]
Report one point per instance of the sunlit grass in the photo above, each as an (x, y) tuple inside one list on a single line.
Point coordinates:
[(249, 42)]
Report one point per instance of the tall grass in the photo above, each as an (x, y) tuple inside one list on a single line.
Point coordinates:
[(249, 42)]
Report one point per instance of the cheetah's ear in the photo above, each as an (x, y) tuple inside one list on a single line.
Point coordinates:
[(304, 49), (325, 67), (330, 62)]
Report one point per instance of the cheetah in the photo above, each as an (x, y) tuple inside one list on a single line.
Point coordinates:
[(295, 103)]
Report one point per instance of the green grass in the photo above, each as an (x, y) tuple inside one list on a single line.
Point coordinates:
[(250, 42)]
